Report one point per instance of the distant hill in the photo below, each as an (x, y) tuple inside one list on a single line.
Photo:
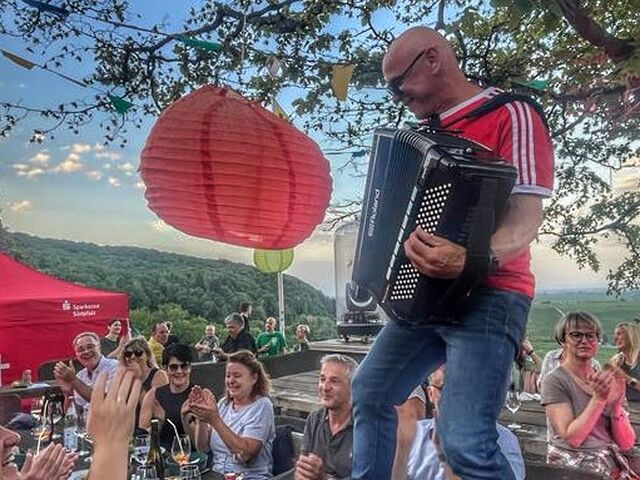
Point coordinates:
[(210, 289)]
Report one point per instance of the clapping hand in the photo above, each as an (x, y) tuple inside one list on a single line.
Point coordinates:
[(51, 463), (202, 402), (64, 372), (608, 384)]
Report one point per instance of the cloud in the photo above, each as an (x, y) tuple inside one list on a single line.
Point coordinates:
[(160, 226), (20, 167), (80, 148), (140, 185), (94, 175), (21, 206), (70, 164), (127, 168), (113, 182), (109, 155), (40, 157), (29, 172)]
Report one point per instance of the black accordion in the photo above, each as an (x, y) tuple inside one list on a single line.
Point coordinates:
[(449, 186)]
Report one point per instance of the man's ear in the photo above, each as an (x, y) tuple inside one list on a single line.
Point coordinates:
[(431, 394), (433, 59)]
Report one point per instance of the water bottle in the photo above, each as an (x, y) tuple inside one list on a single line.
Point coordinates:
[(71, 427)]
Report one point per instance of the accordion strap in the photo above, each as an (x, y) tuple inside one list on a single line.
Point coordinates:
[(477, 261)]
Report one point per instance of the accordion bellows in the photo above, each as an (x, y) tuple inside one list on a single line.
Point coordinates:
[(447, 185), (219, 166)]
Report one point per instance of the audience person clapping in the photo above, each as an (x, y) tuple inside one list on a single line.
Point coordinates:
[(111, 423), (588, 426), (238, 429), (328, 433), (52, 463), (86, 346), (626, 337), (166, 401)]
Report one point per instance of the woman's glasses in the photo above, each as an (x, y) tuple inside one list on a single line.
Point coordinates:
[(578, 336), (173, 367), (130, 353)]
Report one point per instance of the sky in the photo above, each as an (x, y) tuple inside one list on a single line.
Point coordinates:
[(75, 188)]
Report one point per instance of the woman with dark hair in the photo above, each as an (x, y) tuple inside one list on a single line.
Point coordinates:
[(239, 429), (588, 426), (112, 343), (165, 402)]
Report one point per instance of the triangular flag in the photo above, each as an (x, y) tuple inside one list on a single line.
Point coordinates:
[(45, 7), (534, 84), (18, 60), (341, 76), (120, 104), (359, 154), (203, 44), (277, 109)]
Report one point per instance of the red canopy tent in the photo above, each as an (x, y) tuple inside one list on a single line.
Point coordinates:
[(40, 315)]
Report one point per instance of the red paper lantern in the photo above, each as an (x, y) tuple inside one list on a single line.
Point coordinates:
[(219, 166)]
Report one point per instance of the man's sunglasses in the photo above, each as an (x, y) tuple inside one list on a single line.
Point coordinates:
[(130, 353), (395, 85), (173, 367)]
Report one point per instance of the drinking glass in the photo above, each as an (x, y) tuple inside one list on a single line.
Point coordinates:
[(141, 446), (190, 472), (36, 408), (513, 405), (181, 449), (81, 431), (146, 472)]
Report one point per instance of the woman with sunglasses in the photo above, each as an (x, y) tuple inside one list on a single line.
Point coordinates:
[(239, 429), (165, 402), (137, 357), (626, 338), (589, 428)]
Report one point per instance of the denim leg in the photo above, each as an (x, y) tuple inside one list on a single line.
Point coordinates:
[(480, 352), (399, 360)]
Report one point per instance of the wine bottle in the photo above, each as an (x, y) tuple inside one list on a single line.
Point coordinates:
[(71, 427), (154, 458)]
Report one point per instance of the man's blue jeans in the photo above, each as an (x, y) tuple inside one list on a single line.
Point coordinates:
[(478, 351)]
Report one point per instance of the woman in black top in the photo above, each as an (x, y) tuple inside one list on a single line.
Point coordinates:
[(110, 342), (626, 337), (165, 402), (137, 356), (302, 335)]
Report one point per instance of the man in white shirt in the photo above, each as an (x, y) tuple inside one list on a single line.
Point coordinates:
[(425, 459), (86, 346)]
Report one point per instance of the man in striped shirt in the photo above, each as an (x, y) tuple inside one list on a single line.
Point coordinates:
[(422, 72)]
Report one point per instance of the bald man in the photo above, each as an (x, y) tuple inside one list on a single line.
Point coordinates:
[(422, 72)]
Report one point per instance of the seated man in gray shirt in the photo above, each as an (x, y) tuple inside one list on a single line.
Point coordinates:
[(328, 433), (425, 460)]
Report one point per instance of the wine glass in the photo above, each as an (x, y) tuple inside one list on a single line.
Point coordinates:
[(146, 472), (181, 449), (513, 405), (190, 472), (141, 445), (53, 413)]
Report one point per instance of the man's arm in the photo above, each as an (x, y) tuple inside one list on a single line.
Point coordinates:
[(438, 257)]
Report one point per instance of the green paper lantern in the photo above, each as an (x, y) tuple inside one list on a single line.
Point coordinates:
[(273, 261)]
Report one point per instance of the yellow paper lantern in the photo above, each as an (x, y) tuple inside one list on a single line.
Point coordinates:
[(273, 261)]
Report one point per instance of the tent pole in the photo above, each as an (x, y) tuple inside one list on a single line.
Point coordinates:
[(281, 302)]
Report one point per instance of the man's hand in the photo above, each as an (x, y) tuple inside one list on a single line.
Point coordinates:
[(51, 463), (309, 467), (64, 372), (434, 256)]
